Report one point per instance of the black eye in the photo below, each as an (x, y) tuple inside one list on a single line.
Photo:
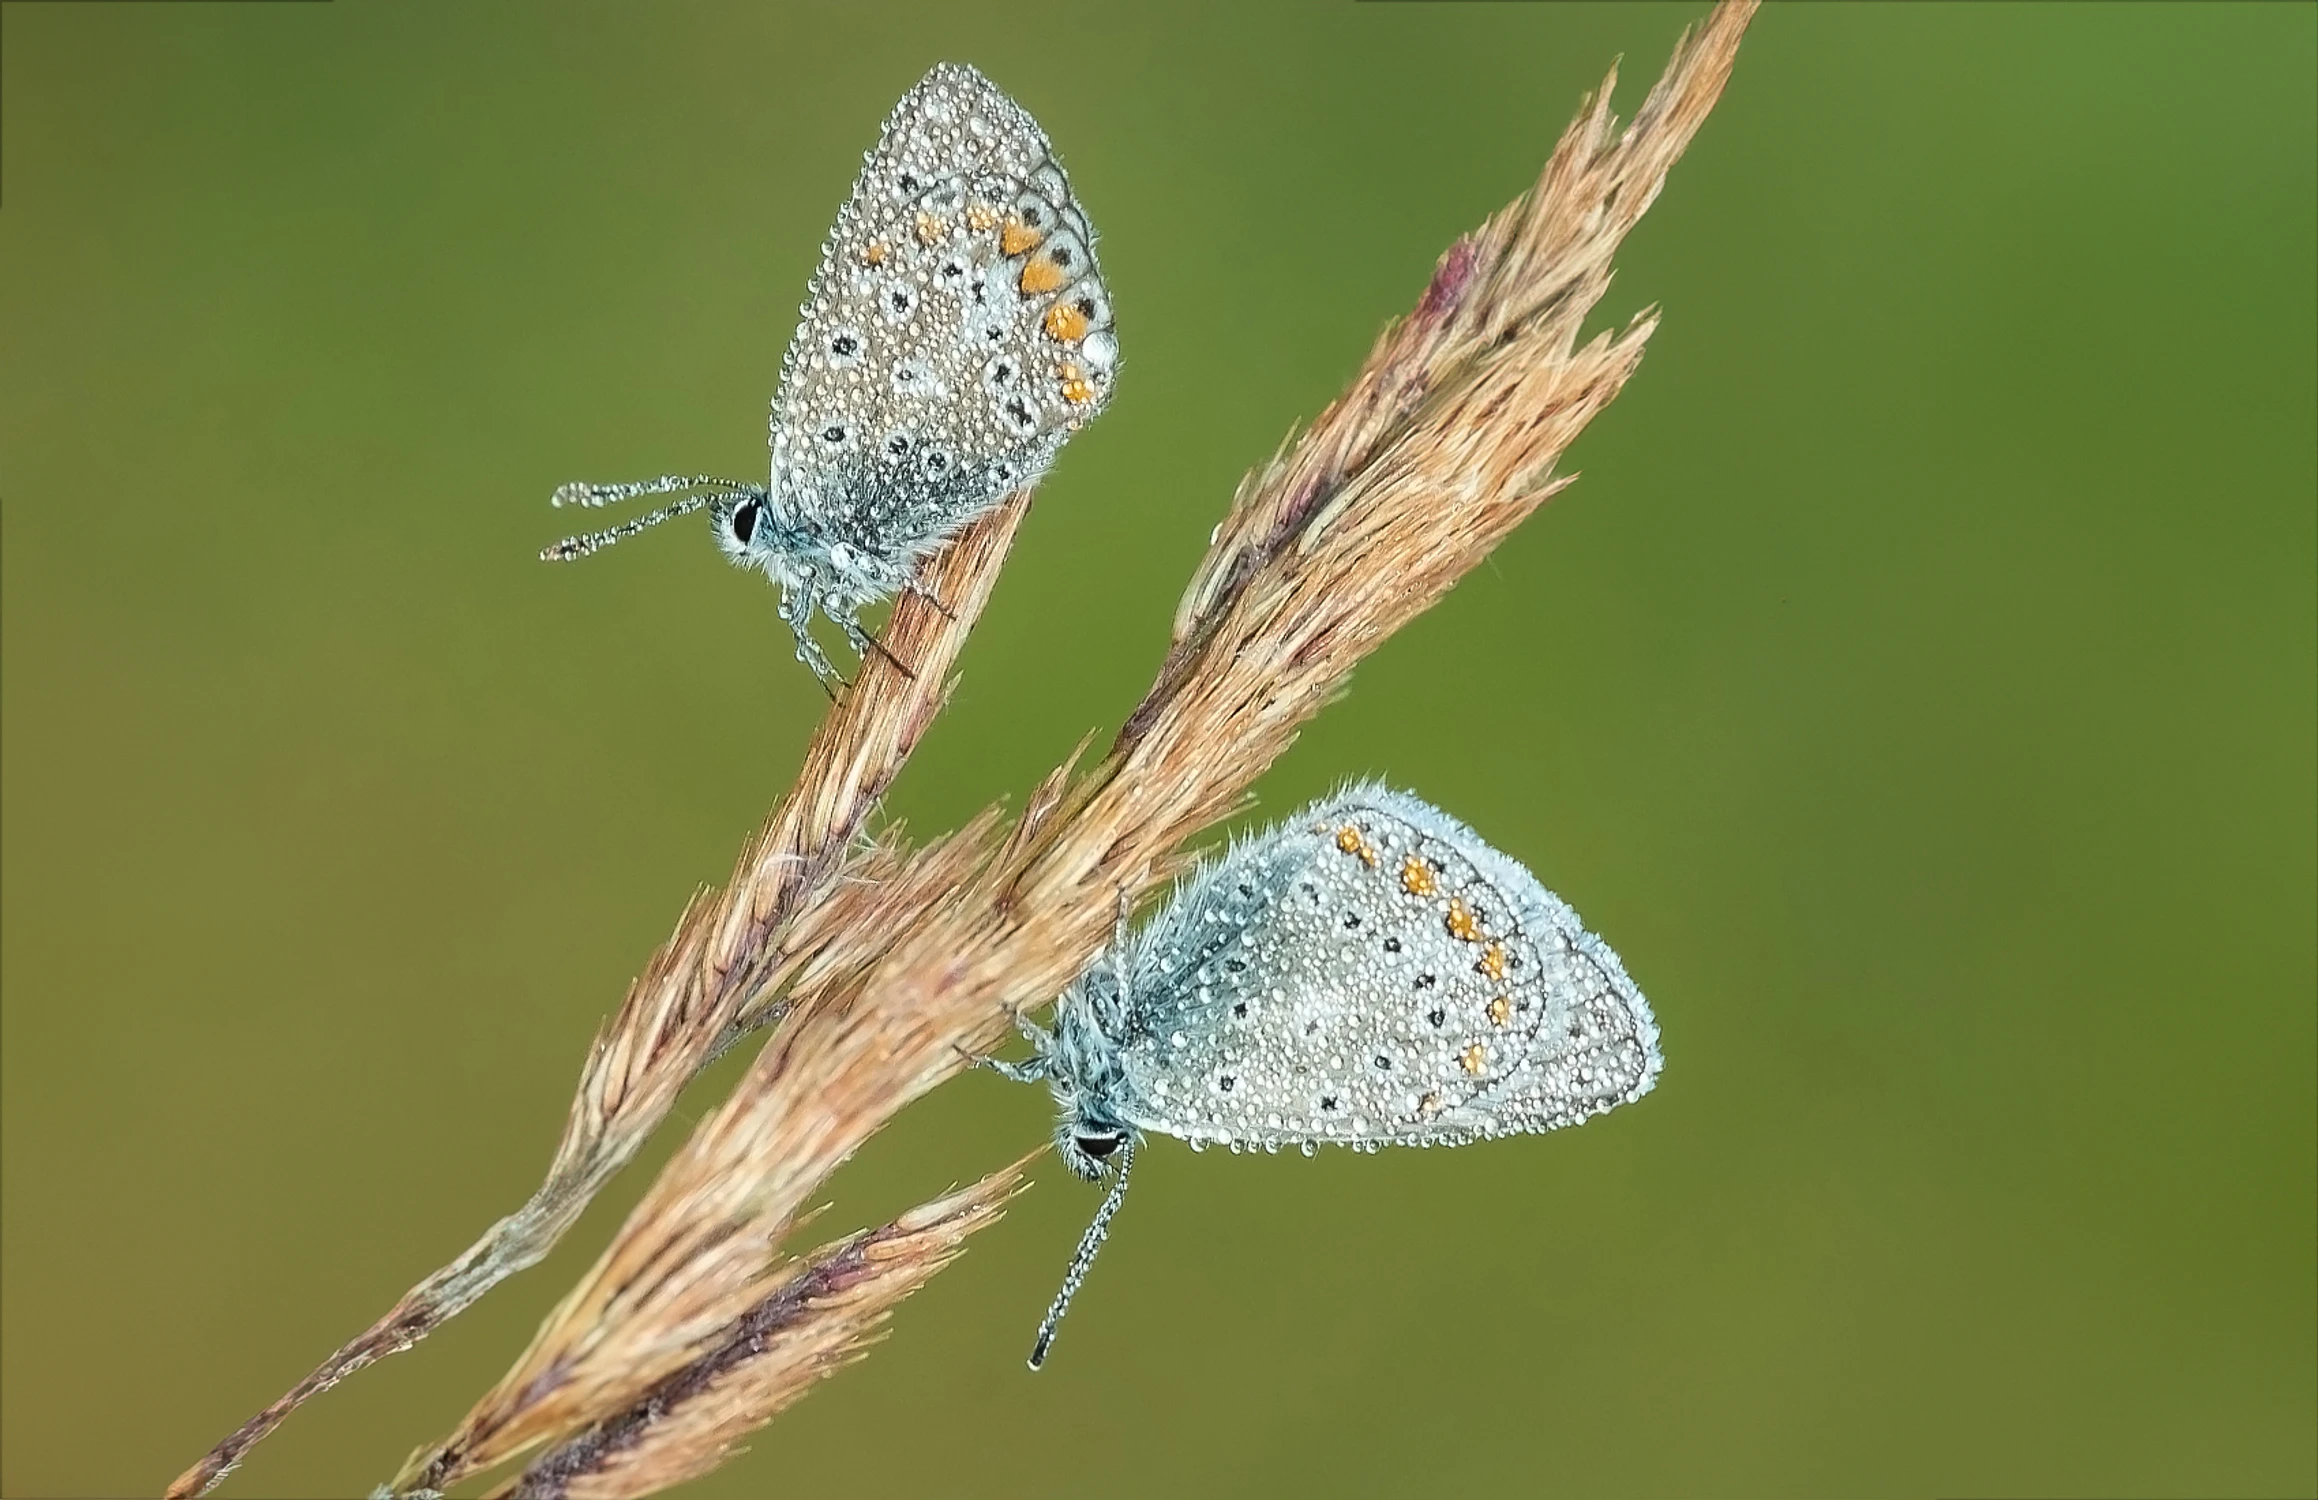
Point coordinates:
[(1099, 1146), (744, 522)]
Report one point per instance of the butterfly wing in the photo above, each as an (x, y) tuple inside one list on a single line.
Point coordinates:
[(1371, 972), (956, 332)]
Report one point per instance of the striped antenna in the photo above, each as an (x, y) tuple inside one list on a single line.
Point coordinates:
[(573, 548), (666, 484), (1085, 1257)]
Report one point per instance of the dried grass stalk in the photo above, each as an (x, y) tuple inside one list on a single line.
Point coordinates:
[(1444, 443), (810, 1319), (805, 879)]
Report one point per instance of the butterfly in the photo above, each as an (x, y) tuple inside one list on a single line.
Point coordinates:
[(957, 333), (1366, 973)]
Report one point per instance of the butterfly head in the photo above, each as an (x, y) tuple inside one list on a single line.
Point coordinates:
[(1087, 1075), (750, 534)]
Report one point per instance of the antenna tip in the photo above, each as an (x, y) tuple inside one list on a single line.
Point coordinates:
[(576, 494)]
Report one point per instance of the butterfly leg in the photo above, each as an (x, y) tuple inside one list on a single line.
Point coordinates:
[(797, 613), (1119, 942), (864, 643), (1033, 1071), (932, 598), (1033, 1033)]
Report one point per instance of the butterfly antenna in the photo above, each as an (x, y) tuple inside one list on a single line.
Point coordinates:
[(666, 484), (572, 548), (1088, 1245)]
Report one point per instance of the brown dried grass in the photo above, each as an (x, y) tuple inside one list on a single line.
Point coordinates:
[(886, 967)]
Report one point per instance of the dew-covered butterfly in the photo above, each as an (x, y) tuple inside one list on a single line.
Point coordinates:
[(956, 334)]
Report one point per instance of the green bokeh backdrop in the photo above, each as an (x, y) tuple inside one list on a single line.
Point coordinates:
[(1917, 689)]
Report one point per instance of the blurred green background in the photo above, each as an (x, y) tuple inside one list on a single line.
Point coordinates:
[(1918, 690)]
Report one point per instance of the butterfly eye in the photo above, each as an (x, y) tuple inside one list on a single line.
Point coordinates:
[(1100, 1146), (744, 521)]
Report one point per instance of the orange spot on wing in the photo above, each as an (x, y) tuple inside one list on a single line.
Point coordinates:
[(1017, 237), (1065, 322), (1416, 877), (1493, 961), (1040, 275)]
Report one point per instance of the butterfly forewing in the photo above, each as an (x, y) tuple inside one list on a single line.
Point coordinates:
[(956, 333)]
